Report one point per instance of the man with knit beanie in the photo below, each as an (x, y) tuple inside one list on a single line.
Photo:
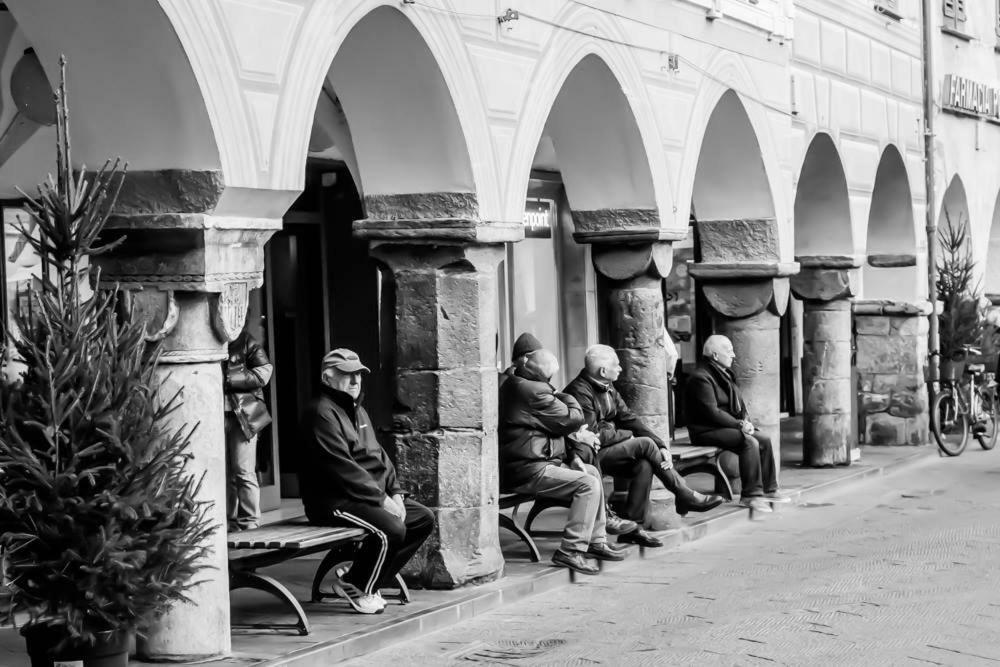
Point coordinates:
[(526, 345)]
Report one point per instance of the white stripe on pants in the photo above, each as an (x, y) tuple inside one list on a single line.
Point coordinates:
[(380, 562)]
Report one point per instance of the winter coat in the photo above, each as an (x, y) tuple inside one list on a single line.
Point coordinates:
[(713, 400), (606, 413), (534, 417), (341, 458), (245, 374)]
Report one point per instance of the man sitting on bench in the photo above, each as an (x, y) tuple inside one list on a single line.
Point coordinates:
[(348, 480), (717, 417), (621, 444), (534, 419)]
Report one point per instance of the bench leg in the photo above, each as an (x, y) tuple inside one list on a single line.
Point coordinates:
[(539, 506), (713, 468), (404, 590), (334, 557), (509, 523), (270, 585)]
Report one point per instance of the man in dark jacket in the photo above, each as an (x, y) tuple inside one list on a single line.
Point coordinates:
[(623, 444), (717, 417), (524, 346), (245, 374), (347, 479), (534, 419)]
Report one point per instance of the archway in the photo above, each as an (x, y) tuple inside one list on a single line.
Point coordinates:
[(890, 272), (991, 277), (821, 315)]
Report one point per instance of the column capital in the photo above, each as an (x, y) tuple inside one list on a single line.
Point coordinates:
[(622, 225), (893, 308), (624, 262), (747, 298), (827, 277)]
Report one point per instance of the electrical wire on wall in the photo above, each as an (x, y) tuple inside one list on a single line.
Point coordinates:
[(515, 14)]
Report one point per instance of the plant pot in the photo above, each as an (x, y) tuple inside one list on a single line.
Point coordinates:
[(110, 650)]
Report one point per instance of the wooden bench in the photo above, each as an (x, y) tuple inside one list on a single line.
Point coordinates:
[(250, 550), (687, 459), (512, 501)]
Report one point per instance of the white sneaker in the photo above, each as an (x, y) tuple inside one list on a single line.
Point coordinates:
[(362, 602), (777, 497), (381, 599), (756, 504)]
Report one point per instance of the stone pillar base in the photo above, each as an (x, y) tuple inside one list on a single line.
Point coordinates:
[(891, 339)]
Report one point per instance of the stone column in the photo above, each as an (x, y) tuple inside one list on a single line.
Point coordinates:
[(445, 415), (632, 255), (746, 285), (891, 341), (825, 286), (188, 273)]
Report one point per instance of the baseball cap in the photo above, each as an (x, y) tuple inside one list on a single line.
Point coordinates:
[(344, 360)]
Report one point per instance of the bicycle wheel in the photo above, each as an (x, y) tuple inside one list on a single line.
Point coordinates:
[(949, 423), (986, 431)]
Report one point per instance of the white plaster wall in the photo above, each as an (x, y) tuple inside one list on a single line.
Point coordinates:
[(857, 77)]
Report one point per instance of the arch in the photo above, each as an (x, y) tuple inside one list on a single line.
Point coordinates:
[(407, 91), (955, 206), (564, 53), (822, 211), (991, 278), (730, 181), (890, 272), (132, 88), (591, 116)]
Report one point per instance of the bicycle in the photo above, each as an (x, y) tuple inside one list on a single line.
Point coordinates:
[(966, 402)]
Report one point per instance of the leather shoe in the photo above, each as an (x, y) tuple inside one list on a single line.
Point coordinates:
[(615, 525), (707, 503), (640, 537), (604, 551), (574, 561)]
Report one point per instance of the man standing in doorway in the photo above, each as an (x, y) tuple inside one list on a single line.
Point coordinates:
[(246, 372), (347, 479)]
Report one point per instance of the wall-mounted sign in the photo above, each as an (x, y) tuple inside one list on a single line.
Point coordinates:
[(967, 97), (538, 218)]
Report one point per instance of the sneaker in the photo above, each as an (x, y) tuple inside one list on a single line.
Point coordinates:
[(362, 602), (615, 525), (381, 599), (603, 551), (757, 504), (777, 497), (574, 561), (640, 537)]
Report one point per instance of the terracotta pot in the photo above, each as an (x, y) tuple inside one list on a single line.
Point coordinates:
[(111, 649)]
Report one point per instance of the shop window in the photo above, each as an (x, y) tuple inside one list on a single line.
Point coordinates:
[(954, 17)]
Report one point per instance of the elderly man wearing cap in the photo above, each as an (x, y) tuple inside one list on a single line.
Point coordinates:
[(348, 480)]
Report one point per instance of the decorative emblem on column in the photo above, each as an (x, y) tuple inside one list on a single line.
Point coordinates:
[(160, 316), (229, 310)]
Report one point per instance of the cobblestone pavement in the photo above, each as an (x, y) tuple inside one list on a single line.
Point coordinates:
[(900, 570)]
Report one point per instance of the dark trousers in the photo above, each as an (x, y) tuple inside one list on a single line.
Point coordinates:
[(390, 543), (638, 460), (757, 474)]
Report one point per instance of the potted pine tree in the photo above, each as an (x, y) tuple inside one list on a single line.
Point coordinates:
[(97, 512)]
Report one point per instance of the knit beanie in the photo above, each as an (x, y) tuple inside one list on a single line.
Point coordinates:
[(525, 344)]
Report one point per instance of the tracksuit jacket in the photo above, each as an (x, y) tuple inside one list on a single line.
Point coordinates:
[(342, 460)]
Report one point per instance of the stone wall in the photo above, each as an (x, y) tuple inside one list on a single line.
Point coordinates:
[(892, 392)]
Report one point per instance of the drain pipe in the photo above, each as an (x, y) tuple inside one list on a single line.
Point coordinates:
[(933, 337)]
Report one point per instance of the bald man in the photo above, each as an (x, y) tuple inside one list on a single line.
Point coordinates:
[(625, 446), (717, 417), (534, 419)]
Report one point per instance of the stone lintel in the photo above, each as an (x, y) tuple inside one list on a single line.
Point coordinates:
[(623, 262), (422, 206), (994, 299), (892, 260), (824, 284), (892, 308), (728, 271), (830, 261), (438, 230), (631, 236), (740, 240)]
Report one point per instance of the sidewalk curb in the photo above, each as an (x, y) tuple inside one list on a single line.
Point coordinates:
[(491, 596)]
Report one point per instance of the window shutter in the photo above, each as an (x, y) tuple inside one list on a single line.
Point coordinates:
[(949, 8), (959, 10)]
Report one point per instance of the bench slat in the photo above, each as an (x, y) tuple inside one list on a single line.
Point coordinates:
[(290, 536), (692, 451)]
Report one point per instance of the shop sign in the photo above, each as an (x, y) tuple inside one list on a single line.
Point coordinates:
[(968, 97), (538, 218)]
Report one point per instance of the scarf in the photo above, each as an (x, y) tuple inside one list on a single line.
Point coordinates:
[(726, 378)]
